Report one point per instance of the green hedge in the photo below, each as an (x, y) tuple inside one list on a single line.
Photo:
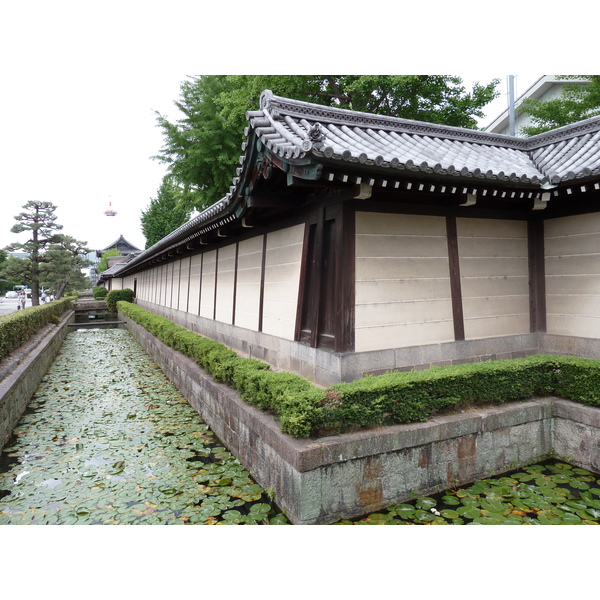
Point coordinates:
[(99, 292), (17, 327), (292, 398), (125, 295), (306, 410)]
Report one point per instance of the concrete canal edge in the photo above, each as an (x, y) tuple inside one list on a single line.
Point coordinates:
[(21, 372), (319, 481)]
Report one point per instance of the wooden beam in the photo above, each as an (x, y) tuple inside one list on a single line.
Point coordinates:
[(537, 276), (273, 200), (455, 286), (261, 294)]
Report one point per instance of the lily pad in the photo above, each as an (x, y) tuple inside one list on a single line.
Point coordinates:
[(425, 503), (468, 512), (451, 500), (404, 511)]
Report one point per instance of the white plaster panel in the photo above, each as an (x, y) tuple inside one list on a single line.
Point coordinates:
[(162, 285), (573, 264), (585, 244), (405, 289), (401, 246), (496, 306), (499, 285), (225, 284), (193, 307), (576, 305), (368, 268), (248, 283), (175, 273), (579, 326), (385, 223), (488, 247), (496, 326), (482, 267), (494, 269), (403, 335), (396, 313), (402, 281), (184, 278), (281, 281), (168, 274), (207, 297), (572, 247), (577, 224), (582, 284)]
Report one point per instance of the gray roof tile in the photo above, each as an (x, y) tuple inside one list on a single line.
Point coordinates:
[(352, 136), (298, 130)]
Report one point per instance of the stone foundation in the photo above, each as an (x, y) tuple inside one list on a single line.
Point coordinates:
[(324, 367), (21, 373), (323, 480)]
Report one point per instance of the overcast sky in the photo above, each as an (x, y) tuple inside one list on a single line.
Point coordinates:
[(82, 82)]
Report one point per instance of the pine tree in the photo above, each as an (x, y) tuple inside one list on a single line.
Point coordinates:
[(39, 220)]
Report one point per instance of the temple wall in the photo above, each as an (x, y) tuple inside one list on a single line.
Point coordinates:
[(225, 284), (209, 285), (194, 287), (207, 294), (402, 281), (184, 282), (247, 303), (493, 260), (572, 246), (281, 281)]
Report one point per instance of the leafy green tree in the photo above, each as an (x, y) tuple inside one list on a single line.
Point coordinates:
[(39, 221), (165, 214), (202, 149), (5, 284), (17, 271), (103, 264), (576, 102)]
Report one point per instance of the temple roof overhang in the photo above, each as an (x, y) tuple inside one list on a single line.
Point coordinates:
[(291, 145)]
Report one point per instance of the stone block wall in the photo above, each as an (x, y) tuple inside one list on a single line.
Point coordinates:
[(318, 481), (28, 365)]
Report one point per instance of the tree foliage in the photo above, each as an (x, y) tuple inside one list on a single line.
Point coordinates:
[(103, 264), (576, 102), (202, 148), (62, 264), (164, 214), (55, 260), (39, 221)]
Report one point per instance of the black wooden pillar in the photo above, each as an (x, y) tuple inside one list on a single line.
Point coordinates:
[(537, 276)]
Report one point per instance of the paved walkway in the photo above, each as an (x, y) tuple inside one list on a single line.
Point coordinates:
[(109, 440)]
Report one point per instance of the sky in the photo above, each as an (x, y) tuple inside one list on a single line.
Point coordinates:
[(82, 83)]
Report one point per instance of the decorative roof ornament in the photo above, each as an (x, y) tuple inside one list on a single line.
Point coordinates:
[(315, 134)]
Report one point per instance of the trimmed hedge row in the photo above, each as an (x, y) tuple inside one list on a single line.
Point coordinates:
[(306, 410), (292, 398), (99, 292), (17, 327), (125, 295)]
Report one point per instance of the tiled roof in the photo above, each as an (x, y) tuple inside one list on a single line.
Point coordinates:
[(303, 133), (294, 129), (121, 244)]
